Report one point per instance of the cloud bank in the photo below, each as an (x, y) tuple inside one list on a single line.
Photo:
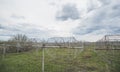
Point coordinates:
[(102, 20), (84, 19)]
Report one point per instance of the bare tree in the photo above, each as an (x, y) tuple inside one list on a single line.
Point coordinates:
[(20, 42), (19, 38)]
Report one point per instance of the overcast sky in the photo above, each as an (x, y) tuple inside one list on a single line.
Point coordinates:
[(87, 20)]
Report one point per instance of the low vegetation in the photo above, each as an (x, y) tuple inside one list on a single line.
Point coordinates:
[(56, 60)]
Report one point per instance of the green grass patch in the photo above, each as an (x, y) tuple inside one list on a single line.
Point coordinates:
[(56, 60)]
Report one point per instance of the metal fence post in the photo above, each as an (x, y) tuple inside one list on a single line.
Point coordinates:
[(43, 57), (4, 51)]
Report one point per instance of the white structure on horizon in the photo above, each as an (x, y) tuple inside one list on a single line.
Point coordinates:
[(109, 42)]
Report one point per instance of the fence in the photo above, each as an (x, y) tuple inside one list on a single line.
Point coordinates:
[(60, 55), (108, 48)]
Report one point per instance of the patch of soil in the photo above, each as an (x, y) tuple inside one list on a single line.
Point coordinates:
[(87, 56)]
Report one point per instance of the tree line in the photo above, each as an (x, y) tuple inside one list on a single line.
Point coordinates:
[(17, 43)]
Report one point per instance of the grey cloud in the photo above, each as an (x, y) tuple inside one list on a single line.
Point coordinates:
[(98, 17), (1, 27), (105, 2), (116, 7), (69, 11), (86, 30), (90, 5), (98, 30), (9, 28), (22, 28), (115, 11), (6, 34), (2, 20), (90, 8), (17, 16), (106, 20)]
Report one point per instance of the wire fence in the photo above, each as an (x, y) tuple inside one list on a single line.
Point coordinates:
[(108, 48), (62, 56), (51, 55)]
